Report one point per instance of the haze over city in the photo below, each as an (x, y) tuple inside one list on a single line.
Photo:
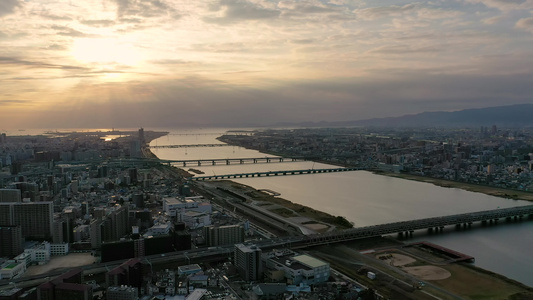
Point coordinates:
[(200, 63)]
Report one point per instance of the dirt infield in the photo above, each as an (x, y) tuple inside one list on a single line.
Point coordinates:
[(428, 272), (397, 260), (67, 261)]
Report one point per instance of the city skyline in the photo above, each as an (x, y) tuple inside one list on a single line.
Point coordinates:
[(126, 63)]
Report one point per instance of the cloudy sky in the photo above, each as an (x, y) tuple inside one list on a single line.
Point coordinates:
[(155, 63)]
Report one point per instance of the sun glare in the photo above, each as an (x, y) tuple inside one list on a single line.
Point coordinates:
[(105, 51)]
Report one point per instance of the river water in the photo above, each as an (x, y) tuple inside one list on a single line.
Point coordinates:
[(366, 199)]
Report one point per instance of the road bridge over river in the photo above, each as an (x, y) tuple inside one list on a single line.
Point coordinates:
[(230, 161)]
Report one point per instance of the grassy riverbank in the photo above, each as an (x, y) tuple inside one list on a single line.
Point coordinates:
[(298, 209), (489, 190)]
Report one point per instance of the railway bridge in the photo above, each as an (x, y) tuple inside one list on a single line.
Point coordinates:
[(435, 223), (274, 173)]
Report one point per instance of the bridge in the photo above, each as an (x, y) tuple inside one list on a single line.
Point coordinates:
[(229, 161), (274, 173), (436, 223), (190, 146), (229, 132), (197, 133)]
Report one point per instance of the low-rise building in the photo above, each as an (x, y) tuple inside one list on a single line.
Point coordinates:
[(12, 269), (59, 249), (296, 269), (189, 269)]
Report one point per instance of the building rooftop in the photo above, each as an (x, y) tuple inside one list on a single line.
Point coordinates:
[(310, 261), (189, 268)]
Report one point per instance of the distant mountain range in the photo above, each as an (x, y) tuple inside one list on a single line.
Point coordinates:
[(520, 115)]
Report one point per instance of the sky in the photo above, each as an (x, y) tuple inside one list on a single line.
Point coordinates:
[(167, 63)]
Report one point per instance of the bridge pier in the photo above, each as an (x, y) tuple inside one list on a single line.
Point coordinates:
[(214, 163), (255, 160), (184, 164), (199, 163), (241, 161), (227, 161)]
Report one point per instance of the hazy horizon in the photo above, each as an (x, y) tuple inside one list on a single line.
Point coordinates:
[(166, 63)]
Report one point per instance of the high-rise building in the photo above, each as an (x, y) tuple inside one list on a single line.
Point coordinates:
[(10, 241), (138, 200), (223, 235), (135, 148), (248, 262), (122, 293), (35, 218), (10, 195), (110, 227), (67, 286), (141, 136), (129, 273), (96, 233)]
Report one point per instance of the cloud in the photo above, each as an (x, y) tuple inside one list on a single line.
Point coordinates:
[(505, 5), (493, 20), (54, 17), (525, 24), (199, 101), (98, 23), (240, 10), (302, 41), (3, 101), (14, 61), (8, 6), (172, 62), (383, 11), (67, 31), (307, 7), (404, 49), (56, 47), (143, 8)]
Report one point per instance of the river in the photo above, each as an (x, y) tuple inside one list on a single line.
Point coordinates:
[(365, 199)]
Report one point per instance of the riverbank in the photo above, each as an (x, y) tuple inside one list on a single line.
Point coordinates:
[(285, 208), (488, 190)]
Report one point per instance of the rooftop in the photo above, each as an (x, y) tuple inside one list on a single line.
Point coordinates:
[(309, 261)]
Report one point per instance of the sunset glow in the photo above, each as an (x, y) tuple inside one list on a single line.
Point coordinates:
[(198, 63)]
